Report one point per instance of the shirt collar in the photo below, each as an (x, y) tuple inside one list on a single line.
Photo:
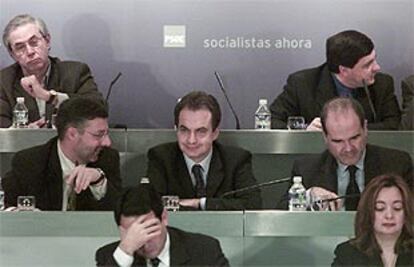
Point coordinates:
[(359, 164), (205, 163), (164, 255)]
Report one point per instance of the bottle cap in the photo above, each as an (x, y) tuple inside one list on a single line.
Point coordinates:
[(297, 179), (20, 100), (262, 101)]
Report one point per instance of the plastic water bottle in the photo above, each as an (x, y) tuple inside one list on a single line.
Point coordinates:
[(20, 114), (297, 195), (1, 196), (262, 116)]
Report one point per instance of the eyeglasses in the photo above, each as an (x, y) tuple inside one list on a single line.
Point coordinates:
[(99, 136), (21, 48)]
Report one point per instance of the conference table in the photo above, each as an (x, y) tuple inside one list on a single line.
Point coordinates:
[(249, 238)]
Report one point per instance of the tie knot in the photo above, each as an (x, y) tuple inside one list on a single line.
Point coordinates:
[(352, 170), (155, 262), (197, 169)]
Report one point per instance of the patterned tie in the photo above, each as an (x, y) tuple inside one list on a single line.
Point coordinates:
[(198, 175), (351, 203), (155, 262)]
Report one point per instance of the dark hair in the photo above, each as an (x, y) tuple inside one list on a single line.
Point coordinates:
[(364, 220), (197, 100), (342, 104), (138, 200), (346, 48), (75, 111)]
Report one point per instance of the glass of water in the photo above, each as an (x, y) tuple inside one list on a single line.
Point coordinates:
[(26, 203), (171, 203), (296, 123)]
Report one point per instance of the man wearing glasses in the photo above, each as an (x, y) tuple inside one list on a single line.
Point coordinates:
[(77, 170), (44, 81)]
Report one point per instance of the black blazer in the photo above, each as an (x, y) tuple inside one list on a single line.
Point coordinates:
[(186, 249), (308, 90), (320, 169), (407, 118), (70, 77), (36, 171), (348, 255), (230, 169)]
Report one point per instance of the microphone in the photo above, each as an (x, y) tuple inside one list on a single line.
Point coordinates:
[(112, 84), (220, 82), (371, 106), (256, 186)]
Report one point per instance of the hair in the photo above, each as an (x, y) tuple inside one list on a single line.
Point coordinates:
[(76, 111), (342, 104), (364, 220), (197, 100), (138, 200), (347, 48), (21, 20)]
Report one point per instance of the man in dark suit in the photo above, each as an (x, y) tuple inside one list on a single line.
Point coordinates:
[(44, 82), (146, 240), (345, 132), (77, 170), (197, 168), (351, 70), (407, 118)]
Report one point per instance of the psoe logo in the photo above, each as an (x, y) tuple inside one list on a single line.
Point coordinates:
[(174, 35)]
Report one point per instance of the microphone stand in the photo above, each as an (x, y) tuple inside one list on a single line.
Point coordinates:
[(256, 186)]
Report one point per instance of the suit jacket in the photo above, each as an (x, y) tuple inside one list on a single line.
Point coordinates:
[(320, 169), (230, 169), (407, 88), (308, 90), (186, 249), (347, 254), (70, 77), (37, 172)]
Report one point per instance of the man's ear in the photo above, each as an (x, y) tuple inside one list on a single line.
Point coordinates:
[(71, 133), (164, 217)]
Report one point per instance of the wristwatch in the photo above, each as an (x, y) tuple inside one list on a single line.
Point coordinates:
[(101, 177), (52, 97)]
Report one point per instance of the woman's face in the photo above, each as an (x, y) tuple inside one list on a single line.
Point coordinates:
[(389, 212)]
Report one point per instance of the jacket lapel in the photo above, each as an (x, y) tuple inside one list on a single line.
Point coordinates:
[(55, 179), (215, 174), (183, 176), (178, 254), (325, 91), (329, 173), (372, 166)]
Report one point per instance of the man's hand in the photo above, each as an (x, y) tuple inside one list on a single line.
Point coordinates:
[(190, 202), (34, 88), (322, 193), (138, 233), (81, 177), (40, 123), (315, 125)]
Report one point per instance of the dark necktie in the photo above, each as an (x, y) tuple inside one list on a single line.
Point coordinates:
[(198, 175), (155, 262), (351, 203)]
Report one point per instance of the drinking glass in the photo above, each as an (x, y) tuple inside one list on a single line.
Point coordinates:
[(171, 203), (26, 203), (296, 123)]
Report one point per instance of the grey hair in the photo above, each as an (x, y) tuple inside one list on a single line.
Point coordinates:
[(21, 20)]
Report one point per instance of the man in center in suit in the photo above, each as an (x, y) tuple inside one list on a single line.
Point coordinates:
[(351, 64), (349, 163), (197, 168), (77, 170), (147, 240)]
